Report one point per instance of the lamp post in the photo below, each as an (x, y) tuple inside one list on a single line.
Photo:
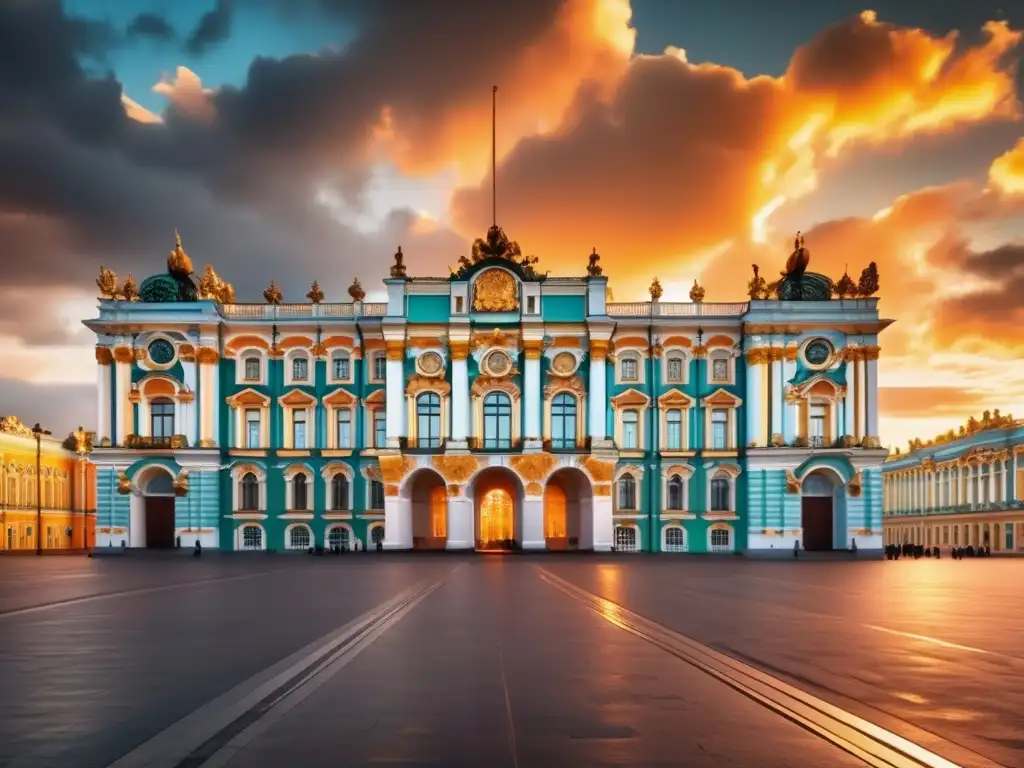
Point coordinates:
[(82, 449), (38, 431)]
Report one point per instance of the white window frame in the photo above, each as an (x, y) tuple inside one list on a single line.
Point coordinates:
[(289, 487), (289, 362), (636, 547), (634, 355), (328, 474), (637, 474), (371, 367), (288, 537), (338, 527), (667, 355), (730, 474), (335, 355), (730, 368), (664, 538), (732, 537), (240, 359), (238, 471), (240, 536)]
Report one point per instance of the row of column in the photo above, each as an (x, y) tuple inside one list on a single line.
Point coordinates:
[(459, 350), (915, 489), (958, 535), (196, 413)]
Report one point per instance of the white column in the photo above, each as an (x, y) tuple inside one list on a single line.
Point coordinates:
[(532, 396), (992, 482), (103, 401), (144, 420), (849, 402), (189, 410), (122, 386), (395, 397), (460, 523), (136, 520), (871, 394), (533, 523), (397, 522), (789, 410), (460, 402), (1013, 479), (603, 528), (755, 408), (777, 395), (597, 396)]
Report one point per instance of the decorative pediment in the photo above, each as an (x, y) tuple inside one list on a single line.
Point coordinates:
[(821, 386), (158, 386), (733, 470), (295, 342), (675, 341), (339, 398), (721, 398), (377, 397), (238, 343), (332, 342), (495, 338), (572, 384), (297, 399), (482, 384), (675, 398), (248, 397), (631, 342), (719, 341), (631, 397), (418, 383), (683, 470)]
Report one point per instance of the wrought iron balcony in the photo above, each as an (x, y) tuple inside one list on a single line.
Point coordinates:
[(140, 442), (494, 446), (301, 311)]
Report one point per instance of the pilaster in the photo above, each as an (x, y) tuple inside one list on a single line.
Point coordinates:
[(124, 421), (458, 349), (460, 523), (598, 395), (397, 523), (104, 361), (533, 349), (209, 395), (871, 391), (778, 391), (395, 395), (603, 527), (533, 523)]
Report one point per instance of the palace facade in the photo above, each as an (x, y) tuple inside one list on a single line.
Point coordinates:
[(496, 407), (50, 506), (961, 489)]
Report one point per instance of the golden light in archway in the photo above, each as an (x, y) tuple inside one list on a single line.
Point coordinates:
[(496, 512)]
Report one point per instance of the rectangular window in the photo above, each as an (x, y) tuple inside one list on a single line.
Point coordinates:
[(531, 305), (720, 369), (674, 431), (252, 369), (459, 304), (300, 369), (675, 369), (252, 428), (341, 368), (630, 431), (818, 415), (380, 429), (376, 494), (299, 430), (629, 369), (379, 367), (344, 426), (719, 430)]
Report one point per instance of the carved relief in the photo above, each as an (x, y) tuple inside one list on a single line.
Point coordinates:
[(497, 364), (123, 354), (563, 364), (12, 426), (792, 483), (454, 490), (430, 364), (419, 383), (124, 485), (575, 383), (372, 473), (605, 489), (599, 471), (207, 355), (104, 356), (394, 468), (181, 483), (390, 490), (495, 290), (855, 485), (456, 468), (533, 467), (482, 384), (496, 338), (534, 489)]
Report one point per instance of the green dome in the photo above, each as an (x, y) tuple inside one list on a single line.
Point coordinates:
[(157, 289), (809, 286)]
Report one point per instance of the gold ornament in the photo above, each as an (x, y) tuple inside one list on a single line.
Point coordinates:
[(315, 295), (533, 467), (696, 293), (599, 471), (12, 426), (792, 483), (655, 290), (495, 290), (394, 468), (130, 291), (107, 283), (456, 469), (398, 268), (272, 294), (181, 483), (593, 268), (178, 262), (356, 290), (854, 486), (124, 485), (563, 364)]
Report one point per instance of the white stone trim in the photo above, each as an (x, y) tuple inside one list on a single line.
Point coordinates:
[(338, 526), (687, 357), (288, 474), (331, 357), (685, 472), (288, 537), (369, 534), (641, 373), (240, 536), (328, 474), (238, 471), (240, 359), (731, 472), (637, 473), (289, 360), (722, 527), (664, 537), (721, 353)]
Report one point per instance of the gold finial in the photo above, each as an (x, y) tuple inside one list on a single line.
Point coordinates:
[(398, 268), (107, 283), (655, 290), (178, 262), (272, 294), (593, 268), (356, 290), (130, 291), (315, 295), (696, 293), (797, 263)]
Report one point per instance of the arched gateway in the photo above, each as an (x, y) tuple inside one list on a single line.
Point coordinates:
[(152, 509), (821, 507)]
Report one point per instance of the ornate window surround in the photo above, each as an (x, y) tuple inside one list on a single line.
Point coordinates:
[(417, 386), (238, 471), (819, 390), (288, 536), (240, 536), (375, 401), (641, 369), (664, 536), (637, 473), (339, 400), (334, 355), (289, 474), (685, 355), (721, 399), (631, 399), (289, 360), (336, 526), (685, 473), (721, 348), (731, 473), (572, 385), (242, 401), (371, 366), (675, 399), (722, 527), (240, 359), (328, 473), (483, 386), (157, 385), (291, 402)]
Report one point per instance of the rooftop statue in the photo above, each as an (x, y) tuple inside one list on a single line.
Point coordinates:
[(797, 284)]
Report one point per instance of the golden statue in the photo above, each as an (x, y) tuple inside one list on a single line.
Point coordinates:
[(181, 483), (178, 262), (212, 287), (495, 290), (593, 268), (272, 293), (398, 268), (124, 485), (315, 295), (696, 293), (655, 290), (356, 290), (797, 263), (130, 291), (107, 283)]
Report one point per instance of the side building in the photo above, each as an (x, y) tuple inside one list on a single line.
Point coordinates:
[(961, 489), (47, 490), (497, 407)]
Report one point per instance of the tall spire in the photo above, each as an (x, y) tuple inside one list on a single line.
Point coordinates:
[(494, 155)]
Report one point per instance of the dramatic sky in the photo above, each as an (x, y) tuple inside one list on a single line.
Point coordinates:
[(306, 139)]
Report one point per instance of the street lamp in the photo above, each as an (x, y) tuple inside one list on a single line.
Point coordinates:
[(82, 449), (38, 431)]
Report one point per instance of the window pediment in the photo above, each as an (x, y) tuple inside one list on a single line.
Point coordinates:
[(339, 398), (719, 341), (297, 399), (418, 383), (821, 386), (676, 341), (248, 396), (484, 384), (240, 343), (720, 398), (631, 342), (685, 471), (375, 398), (295, 342), (572, 384), (157, 386), (631, 397), (675, 398)]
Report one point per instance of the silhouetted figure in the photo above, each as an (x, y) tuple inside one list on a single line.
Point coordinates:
[(796, 550), (198, 551), (938, 556), (988, 551), (177, 542), (380, 545), (853, 546)]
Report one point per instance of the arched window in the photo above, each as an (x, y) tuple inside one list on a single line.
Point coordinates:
[(720, 540), (161, 418), (675, 539), (250, 493), (252, 537), (298, 430), (339, 492), (719, 429), (299, 491), (497, 420), (563, 421), (299, 538), (629, 369), (428, 420), (627, 492), (300, 369), (344, 428), (674, 369), (675, 492), (630, 430), (625, 539), (377, 535), (338, 538), (252, 373), (720, 494), (341, 370), (674, 430), (376, 494)]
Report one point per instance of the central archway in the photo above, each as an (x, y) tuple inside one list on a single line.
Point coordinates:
[(497, 501), (821, 492), (429, 499), (568, 511), (156, 486)]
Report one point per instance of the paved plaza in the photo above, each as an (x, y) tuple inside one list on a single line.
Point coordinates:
[(272, 660)]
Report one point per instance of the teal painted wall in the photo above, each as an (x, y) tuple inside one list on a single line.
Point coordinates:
[(563, 309), (429, 309)]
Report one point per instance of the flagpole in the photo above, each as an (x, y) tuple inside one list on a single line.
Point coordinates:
[(494, 154)]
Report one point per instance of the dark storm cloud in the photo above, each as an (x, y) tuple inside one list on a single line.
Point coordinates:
[(994, 312), (57, 407), (214, 27), (151, 25)]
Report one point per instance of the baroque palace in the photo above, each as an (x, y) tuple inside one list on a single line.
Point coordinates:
[(498, 407), (47, 490), (961, 489)]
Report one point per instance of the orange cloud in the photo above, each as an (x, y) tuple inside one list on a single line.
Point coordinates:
[(185, 91), (1007, 171)]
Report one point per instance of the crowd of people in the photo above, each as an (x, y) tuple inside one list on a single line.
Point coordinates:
[(896, 551)]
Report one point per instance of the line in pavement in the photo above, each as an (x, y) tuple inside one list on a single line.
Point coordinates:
[(212, 734), (855, 735), (943, 643), (128, 592)]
